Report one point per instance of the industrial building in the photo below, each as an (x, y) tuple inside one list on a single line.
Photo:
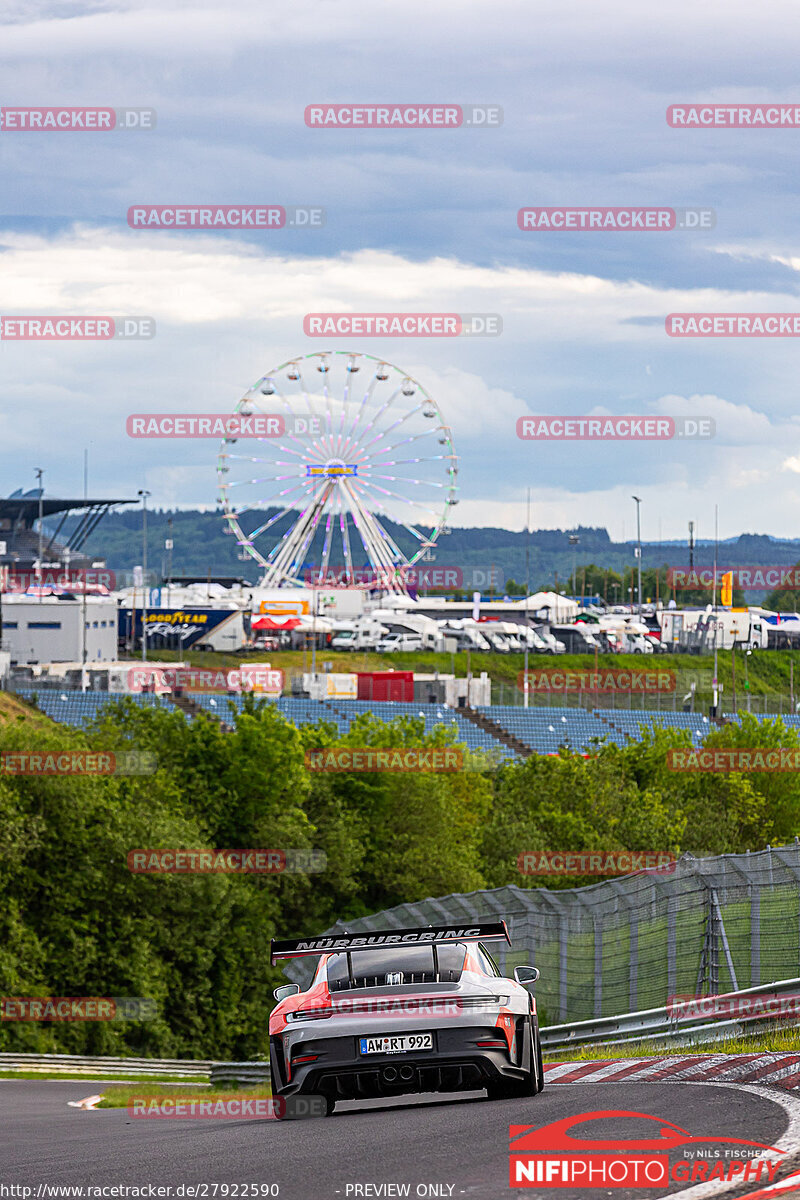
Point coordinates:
[(59, 628)]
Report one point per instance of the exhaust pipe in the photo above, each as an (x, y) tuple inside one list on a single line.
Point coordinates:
[(406, 1074), (389, 1074)]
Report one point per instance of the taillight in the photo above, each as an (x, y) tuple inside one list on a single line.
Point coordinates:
[(309, 1014)]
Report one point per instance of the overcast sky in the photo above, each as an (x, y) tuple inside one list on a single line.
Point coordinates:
[(416, 221)]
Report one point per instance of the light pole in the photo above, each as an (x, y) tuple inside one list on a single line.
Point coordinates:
[(144, 494), (639, 550), (39, 472), (746, 678), (84, 614), (573, 541), (527, 598), (168, 544)]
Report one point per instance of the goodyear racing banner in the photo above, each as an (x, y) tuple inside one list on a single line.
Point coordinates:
[(479, 931)]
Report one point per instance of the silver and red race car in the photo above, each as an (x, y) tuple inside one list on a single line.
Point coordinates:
[(405, 1010)]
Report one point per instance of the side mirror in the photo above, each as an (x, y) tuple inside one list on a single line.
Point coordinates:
[(291, 989), (525, 975)]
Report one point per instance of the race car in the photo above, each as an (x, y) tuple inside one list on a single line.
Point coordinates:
[(405, 1010)]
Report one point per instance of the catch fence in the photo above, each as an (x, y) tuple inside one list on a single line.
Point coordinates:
[(709, 926)]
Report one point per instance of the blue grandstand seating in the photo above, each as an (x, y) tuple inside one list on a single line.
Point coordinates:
[(71, 707), (543, 730)]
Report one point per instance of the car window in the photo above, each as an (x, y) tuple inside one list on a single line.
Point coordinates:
[(415, 964), (486, 960)]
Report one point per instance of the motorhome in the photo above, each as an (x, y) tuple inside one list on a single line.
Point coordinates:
[(358, 635), (399, 642), (549, 643), (398, 620), (496, 640), (576, 639), (467, 634), (511, 633)]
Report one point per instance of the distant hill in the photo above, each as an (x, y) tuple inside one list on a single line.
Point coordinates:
[(202, 548)]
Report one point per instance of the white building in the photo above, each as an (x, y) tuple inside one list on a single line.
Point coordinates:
[(51, 629)]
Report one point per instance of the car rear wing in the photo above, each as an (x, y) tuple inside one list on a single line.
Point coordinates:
[(431, 935)]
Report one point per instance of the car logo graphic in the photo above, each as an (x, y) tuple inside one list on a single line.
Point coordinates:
[(556, 1136)]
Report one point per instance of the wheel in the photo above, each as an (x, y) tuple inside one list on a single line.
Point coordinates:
[(300, 1107)]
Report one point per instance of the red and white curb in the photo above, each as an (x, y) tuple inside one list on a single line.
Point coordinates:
[(775, 1070), (782, 1188)]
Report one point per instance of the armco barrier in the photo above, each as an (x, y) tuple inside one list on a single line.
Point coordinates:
[(206, 1070), (77, 1064), (240, 1072), (661, 1025)]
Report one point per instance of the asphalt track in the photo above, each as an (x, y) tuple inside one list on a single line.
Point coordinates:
[(459, 1143)]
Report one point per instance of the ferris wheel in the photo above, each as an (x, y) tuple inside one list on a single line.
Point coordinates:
[(358, 487)]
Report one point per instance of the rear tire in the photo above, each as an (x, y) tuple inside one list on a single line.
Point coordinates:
[(286, 1114)]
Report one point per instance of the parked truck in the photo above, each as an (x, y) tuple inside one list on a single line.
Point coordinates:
[(701, 631)]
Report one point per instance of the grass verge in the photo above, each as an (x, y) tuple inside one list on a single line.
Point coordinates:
[(121, 1095)]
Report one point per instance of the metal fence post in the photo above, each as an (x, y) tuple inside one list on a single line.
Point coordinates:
[(755, 936), (633, 968), (632, 914), (713, 947), (598, 967), (672, 944)]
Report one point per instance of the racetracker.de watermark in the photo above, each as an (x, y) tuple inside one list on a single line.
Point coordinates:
[(70, 120), (232, 1107), (372, 758), (744, 325), (614, 429), (400, 1006), (226, 862), (733, 116), (604, 681), (431, 577), (252, 677), (226, 216), (403, 116), (58, 578), (630, 219), (594, 862), (723, 760), (754, 578), (219, 425), (78, 1008), (759, 1007), (76, 329), (77, 762), (400, 324)]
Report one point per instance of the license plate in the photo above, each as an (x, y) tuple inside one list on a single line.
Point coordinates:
[(398, 1043)]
